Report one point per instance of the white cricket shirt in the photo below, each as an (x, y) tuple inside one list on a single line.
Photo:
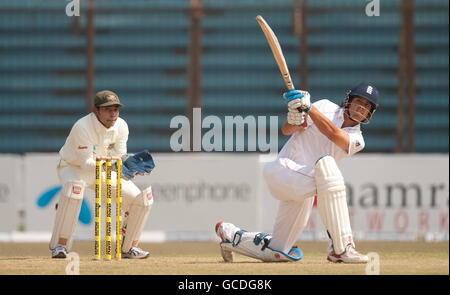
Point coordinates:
[(291, 175), (89, 139)]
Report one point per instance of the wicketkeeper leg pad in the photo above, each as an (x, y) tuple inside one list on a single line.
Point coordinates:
[(332, 202), (67, 212), (137, 216)]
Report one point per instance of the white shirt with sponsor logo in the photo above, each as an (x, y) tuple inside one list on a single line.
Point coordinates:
[(291, 175), (89, 139)]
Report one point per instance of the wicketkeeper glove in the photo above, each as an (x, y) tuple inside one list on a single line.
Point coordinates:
[(140, 163)]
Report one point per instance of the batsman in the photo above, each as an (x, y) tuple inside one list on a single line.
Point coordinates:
[(102, 133), (321, 135)]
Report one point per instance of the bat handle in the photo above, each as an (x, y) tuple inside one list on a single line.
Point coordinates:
[(289, 84)]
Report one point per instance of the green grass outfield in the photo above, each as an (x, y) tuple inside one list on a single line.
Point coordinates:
[(203, 258)]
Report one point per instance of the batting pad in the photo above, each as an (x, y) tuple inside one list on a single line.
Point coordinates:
[(69, 206), (256, 245), (332, 202), (137, 217)]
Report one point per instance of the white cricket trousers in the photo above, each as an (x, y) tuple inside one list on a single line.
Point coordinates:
[(294, 186)]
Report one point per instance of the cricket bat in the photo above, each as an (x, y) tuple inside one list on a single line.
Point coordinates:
[(276, 50)]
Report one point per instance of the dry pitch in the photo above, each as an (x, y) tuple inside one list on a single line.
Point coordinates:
[(203, 258)]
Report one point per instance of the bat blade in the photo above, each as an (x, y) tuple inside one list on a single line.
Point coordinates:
[(276, 51)]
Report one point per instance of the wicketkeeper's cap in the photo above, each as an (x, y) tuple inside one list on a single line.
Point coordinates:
[(106, 98)]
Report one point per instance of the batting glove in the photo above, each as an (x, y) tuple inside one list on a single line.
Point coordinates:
[(296, 118), (298, 99)]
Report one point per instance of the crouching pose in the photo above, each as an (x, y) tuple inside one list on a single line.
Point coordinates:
[(101, 133), (322, 134)]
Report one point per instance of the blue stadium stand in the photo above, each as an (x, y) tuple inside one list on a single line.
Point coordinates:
[(142, 53), (432, 126)]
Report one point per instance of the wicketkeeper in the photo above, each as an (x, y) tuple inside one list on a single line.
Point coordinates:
[(101, 133), (321, 135)]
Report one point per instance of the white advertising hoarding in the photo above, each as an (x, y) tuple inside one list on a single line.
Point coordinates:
[(194, 191), (392, 197), (398, 196), (11, 183)]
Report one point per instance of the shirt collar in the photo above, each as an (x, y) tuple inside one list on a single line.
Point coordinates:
[(98, 126)]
